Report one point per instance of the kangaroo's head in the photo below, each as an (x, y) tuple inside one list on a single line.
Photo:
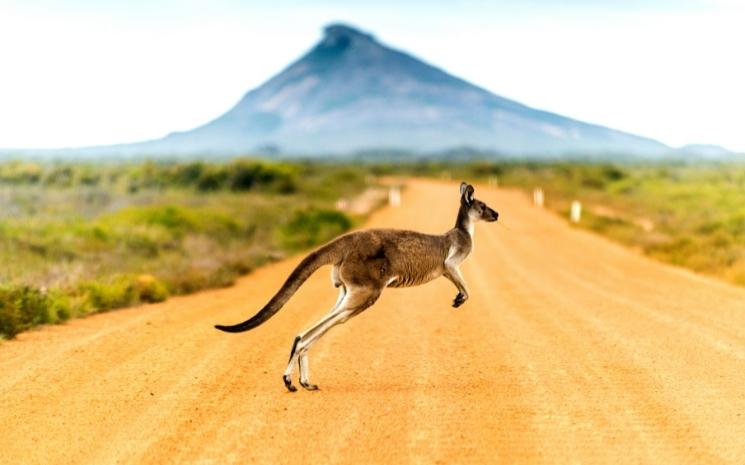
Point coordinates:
[(477, 210)]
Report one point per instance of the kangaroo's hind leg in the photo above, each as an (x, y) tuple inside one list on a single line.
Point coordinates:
[(303, 355), (302, 359), (295, 355), (355, 301), (359, 300)]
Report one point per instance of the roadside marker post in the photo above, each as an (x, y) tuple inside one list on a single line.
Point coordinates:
[(538, 197), (575, 212), (394, 196)]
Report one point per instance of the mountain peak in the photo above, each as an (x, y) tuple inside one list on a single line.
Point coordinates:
[(336, 30), (342, 35)]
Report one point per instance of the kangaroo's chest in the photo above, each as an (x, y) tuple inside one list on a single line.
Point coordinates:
[(457, 253)]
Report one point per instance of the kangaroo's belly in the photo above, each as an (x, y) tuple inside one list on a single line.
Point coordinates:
[(409, 279)]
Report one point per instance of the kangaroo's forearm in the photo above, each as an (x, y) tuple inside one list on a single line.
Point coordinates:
[(456, 278)]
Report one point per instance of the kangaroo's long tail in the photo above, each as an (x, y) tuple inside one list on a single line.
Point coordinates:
[(329, 253)]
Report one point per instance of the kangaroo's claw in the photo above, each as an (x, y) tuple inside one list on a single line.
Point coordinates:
[(459, 299)]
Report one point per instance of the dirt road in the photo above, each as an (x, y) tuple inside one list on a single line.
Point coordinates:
[(570, 350)]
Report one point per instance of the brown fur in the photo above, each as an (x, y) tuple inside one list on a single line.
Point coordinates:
[(366, 262)]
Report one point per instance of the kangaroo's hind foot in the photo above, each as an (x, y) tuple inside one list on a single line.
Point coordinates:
[(309, 387), (288, 383), (304, 372)]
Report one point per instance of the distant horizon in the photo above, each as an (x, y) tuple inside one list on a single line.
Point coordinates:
[(95, 73)]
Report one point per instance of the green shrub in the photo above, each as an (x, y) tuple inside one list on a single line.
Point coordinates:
[(212, 179), (245, 175), (59, 305), (60, 176), (187, 174), (149, 289), (310, 227), (168, 216), (186, 281), (20, 173), (22, 307), (142, 244), (237, 175), (116, 292), (121, 291)]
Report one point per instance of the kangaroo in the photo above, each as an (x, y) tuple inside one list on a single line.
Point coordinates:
[(365, 263)]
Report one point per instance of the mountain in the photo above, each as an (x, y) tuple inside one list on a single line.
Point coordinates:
[(351, 94), (704, 151)]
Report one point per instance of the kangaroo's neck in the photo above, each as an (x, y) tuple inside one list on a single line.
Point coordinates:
[(460, 238), (463, 222)]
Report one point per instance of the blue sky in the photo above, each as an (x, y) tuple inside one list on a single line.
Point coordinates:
[(83, 72)]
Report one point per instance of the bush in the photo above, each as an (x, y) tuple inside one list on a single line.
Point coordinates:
[(212, 179), (117, 292), (20, 173), (149, 289), (168, 216), (21, 308), (60, 176), (187, 174), (121, 291), (310, 227), (238, 175), (192, 279)]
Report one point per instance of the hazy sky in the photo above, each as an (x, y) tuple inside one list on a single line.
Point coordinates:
[(85, 72)]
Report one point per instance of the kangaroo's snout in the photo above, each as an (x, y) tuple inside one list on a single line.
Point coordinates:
[(493, 215)]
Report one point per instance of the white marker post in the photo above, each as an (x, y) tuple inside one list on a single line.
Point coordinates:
[(575, 212), (493, 181), (394, 196), (538, 197)]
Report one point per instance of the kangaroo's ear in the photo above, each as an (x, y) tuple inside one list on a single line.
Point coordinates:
[(466, 191), (469, 194)]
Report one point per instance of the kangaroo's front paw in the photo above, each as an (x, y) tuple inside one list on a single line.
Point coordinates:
[(459, 299)]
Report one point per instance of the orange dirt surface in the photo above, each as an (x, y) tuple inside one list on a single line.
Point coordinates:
[(571, 349)]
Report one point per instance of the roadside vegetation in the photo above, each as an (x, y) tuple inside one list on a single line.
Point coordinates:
[(686, 215), (76, 239)]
